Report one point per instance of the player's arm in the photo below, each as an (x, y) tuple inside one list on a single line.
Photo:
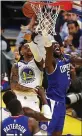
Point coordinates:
[(14, 79), (37, 54), (34, 114), (49, 54), (49, 60), (42, 95), (26, 11), (76, 60), (34, 127)]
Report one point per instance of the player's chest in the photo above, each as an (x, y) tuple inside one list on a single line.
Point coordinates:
[(63, 67)]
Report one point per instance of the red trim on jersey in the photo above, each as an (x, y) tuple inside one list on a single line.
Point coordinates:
[(17, 116)]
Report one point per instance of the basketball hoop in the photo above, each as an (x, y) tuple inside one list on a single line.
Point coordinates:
[(47, 12)]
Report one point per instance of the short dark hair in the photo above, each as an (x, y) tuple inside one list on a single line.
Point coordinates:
[(73, 22), (22, 44), (8, 96), (14, 106)]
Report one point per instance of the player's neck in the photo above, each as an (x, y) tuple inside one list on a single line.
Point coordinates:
[(61, 57), (28, 58), (18, 114)]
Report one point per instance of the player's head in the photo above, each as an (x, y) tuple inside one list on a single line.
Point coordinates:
[(24, 49), (56, 49), (56, 46), (73, 27), (8, 96), (14, 106)]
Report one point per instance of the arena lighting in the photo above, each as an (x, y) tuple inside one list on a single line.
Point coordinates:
[(73, 98)]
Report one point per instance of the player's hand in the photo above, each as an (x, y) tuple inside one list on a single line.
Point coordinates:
[(48, 43), (25, 28), (27, 36)]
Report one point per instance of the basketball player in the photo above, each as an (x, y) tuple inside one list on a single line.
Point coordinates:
[(25, 77), (8, 96), (18, 124), (58, 75)]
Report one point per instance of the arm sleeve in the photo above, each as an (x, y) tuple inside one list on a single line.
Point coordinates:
[(36, 51)]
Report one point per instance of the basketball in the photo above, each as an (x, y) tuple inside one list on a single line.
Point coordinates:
[(27, 10)]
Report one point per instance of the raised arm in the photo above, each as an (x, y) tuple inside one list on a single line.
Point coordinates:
[(49, 54), (49, 60), (36, 53)]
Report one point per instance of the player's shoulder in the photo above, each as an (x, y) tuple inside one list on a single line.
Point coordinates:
[(6, 120)]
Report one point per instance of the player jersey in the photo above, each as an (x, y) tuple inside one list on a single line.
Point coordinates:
[(59, 80), (29, 74), (16, 126)]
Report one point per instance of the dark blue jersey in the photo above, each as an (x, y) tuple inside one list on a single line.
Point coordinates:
[(16, 126), (59, 80)]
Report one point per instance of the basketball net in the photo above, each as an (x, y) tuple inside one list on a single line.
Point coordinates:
[(47, 15)]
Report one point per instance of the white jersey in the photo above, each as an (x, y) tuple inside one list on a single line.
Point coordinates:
[(29, 74), (4, 113)]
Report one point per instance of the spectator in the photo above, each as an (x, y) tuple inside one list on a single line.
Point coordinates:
[(6, 55), (73, 16), (68, 16), (73, 42), (75, 32), (64, 29), (60, 21)]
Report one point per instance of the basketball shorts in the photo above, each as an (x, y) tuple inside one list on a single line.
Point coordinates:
[(28, 100), (56, 124)]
